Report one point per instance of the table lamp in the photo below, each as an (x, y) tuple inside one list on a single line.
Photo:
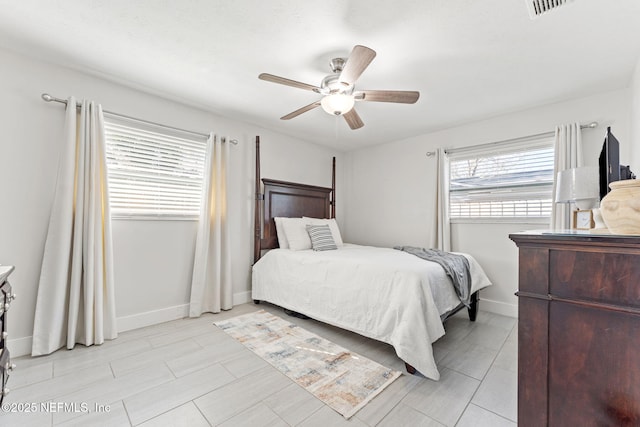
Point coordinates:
[(579, 186)]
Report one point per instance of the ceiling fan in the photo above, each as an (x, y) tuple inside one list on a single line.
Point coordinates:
[(338, 89)]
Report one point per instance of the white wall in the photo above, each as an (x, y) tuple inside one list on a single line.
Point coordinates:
[(391, 187), (152, 258)]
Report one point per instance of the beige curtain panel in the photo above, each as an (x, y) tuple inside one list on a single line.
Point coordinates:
[(75, 301), (211, 286), (441, 226)]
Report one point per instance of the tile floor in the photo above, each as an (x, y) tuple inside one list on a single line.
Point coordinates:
[(189, 373)]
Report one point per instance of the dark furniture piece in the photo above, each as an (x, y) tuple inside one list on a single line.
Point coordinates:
[(290, 199), (578, 329), (287, 199), (6, 296)]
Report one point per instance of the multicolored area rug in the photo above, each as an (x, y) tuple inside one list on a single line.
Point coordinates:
[(343, 380)]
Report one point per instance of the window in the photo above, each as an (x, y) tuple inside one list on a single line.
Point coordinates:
[(502, 180), (153, 171)]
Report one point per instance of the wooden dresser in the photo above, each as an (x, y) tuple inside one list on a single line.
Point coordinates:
[(578, 330)]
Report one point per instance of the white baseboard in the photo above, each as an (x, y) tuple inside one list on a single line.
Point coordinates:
[(242, 298), (149, 318), (499, 307), (140, 320), (22, 346), (19, 346)]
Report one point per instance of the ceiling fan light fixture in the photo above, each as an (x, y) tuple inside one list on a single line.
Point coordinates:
[(337, 104), (338, 89)]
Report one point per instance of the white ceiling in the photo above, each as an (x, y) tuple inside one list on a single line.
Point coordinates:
[(470, 59)]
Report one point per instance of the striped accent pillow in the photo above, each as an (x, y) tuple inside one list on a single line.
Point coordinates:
[(321, 238)]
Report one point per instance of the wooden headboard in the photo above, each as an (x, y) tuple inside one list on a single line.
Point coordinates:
[(287, 199)]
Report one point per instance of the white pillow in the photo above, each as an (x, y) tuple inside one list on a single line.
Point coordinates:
[(333, 226), (282, 237), (296, 231)]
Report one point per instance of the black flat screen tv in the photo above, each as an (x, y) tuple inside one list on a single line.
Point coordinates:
[(609, 163)]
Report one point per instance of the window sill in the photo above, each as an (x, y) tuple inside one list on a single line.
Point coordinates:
[(497, 220), (152, 218)]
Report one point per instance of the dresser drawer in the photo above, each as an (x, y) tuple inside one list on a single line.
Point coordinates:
[(610, 278)]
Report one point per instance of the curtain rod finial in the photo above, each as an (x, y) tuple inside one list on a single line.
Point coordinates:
[(47, 97)]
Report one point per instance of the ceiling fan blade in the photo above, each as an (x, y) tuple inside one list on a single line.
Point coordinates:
[(353, 119), (301, 110), (400, 96), (288, 82), (357, 62)]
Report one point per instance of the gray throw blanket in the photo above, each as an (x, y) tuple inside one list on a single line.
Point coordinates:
[(456, 267)]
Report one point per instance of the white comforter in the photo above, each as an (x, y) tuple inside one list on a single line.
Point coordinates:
[(381, 293)]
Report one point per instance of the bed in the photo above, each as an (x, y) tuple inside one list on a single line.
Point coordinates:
[(381, 293)]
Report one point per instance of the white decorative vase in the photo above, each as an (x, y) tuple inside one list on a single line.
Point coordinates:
[(621, 207)]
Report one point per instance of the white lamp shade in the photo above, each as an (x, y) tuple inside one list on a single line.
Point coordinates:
[(578, 185), (337, 104)]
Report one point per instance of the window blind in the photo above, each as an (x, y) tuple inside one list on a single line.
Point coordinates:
[(504, 181), (153, 172)]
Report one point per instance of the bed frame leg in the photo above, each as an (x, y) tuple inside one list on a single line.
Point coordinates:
[(410, 369), (473, 310), (295, 314), (256, 301)]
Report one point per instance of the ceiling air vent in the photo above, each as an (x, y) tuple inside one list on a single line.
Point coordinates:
[(540, 7)]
